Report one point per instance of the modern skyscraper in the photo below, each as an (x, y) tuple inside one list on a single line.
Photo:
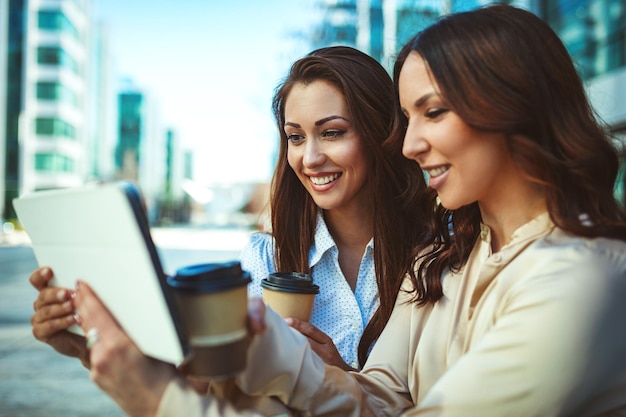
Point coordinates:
[(49, 103), (594, 32), (140, 152), (52, 120)]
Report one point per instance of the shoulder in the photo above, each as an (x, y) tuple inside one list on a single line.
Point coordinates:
[(560, 263), (259, 242), (577, 250), (258, 252)]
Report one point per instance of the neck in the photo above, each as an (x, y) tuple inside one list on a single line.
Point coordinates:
[(351, 229), (510, 211)]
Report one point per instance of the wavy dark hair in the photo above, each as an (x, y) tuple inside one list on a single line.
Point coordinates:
[(502, 69), (394, 184)]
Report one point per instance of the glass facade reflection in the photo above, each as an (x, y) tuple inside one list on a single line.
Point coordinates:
[(594, 32)]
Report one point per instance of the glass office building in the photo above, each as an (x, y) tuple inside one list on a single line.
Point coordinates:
[(47, 68), (594, 32)]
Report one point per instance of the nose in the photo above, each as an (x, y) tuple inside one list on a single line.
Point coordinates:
[(414, 144), (313, 154)]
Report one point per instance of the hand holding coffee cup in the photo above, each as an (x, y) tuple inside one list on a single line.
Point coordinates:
[(290, 294), (212, 301)]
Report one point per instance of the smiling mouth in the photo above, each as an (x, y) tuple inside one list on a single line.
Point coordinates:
[(435, 172), (325, 179)]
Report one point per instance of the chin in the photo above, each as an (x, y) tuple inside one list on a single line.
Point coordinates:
[(449, 205)]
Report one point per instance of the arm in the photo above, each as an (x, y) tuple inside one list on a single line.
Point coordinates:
[(54, 314), (282, 363)]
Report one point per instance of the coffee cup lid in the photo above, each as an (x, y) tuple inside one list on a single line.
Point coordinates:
[(210, 277), (293, 282)]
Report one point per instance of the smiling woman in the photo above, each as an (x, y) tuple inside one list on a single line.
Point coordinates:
[(325, 151), (340, 208)]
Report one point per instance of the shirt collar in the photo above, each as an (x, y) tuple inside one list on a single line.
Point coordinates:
[(529, 231), (323, 241)]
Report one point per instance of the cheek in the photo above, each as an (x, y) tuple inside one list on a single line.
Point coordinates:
[(293, 159), (353, 153)]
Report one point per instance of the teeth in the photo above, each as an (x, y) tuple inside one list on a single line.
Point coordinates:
[(324, 180), (437, 171)]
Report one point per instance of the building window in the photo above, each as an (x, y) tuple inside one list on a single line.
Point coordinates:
[(50, 90), (53, 55), (594, 32), (53, 126), (54, 162), (55, 20)]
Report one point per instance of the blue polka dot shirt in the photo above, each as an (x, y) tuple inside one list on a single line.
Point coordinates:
[(337, 311)]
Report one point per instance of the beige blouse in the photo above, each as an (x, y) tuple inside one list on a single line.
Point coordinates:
[(537, 329)]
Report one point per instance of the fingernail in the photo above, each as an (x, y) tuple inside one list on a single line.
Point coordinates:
[(77, 319), (289, 321), (72, 294), (45, 272), (78, 285), (61, 295), (71, 318), (67, 305)]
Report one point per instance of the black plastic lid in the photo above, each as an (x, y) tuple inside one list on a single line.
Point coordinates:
[(293, 282), (210, 277)]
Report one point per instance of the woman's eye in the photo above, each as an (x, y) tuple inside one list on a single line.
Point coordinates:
[(295, 139), (434, 113), (333, 133)]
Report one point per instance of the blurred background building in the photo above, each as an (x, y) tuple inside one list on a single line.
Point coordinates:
[(65, 120)]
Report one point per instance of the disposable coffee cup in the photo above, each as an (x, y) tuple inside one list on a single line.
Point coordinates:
[(290, 294), (212, 300)]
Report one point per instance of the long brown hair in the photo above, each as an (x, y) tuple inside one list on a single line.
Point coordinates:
[(502, 69), (394, 183)]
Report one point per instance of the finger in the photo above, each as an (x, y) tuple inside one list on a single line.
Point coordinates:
[(58, 310), (44, 330), (52, 295), (307, 329), (93, 313), (40, 277)]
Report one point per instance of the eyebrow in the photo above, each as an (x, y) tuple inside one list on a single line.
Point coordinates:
[(329, 118), (319, 122), (423, 99)]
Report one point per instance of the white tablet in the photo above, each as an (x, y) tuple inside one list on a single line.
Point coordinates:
[(100, 234)]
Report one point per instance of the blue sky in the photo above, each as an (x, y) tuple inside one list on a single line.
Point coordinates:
[(212, 65)]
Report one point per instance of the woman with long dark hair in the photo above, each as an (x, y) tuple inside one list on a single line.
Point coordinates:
[(345, 207)]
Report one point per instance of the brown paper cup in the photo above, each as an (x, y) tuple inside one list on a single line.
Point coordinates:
[(290, 294), (298, 306), (212, 301)]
